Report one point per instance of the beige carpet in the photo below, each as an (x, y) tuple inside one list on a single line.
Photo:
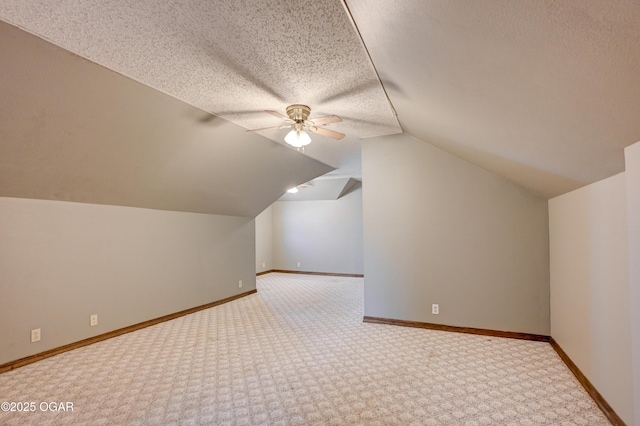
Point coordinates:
[(298, 353)]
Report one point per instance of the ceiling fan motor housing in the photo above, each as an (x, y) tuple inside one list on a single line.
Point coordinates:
[(298, 112)]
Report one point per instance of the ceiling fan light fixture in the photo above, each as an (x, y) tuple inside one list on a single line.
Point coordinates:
[(297, 119), (297, 138)]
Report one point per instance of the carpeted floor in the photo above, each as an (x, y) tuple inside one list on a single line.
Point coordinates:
[(298, 353)]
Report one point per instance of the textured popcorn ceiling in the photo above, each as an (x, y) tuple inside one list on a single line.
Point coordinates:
[(234, 59), (545, 93), (72, 130)]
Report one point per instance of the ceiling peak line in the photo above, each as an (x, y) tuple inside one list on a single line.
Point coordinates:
[(375, 70)]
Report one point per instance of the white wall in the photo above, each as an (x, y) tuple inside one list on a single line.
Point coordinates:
[(590, 309), (60, 262), (264, 240), (440, 230), (632, 164), (324, 235)]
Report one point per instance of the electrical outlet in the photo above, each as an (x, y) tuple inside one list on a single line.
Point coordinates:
[(93, 321), (435, 309), (298, 265), (264, 264), (240, 284), (35, 335)]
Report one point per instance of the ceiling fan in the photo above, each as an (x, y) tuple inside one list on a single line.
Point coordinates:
[(297, 119)]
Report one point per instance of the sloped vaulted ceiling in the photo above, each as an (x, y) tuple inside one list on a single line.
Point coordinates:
[(90, 135), (71, 130), (233, 59), (545, 93)]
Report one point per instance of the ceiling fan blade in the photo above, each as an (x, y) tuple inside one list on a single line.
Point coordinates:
[(277, 114), (326, 132), (326, 120), (268, 128)]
